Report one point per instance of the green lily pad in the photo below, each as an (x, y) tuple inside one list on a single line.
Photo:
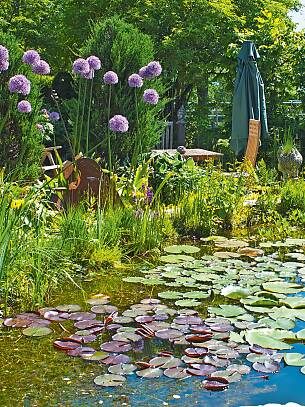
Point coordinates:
[(282, 287), (227, 310), (132, 279), (170, 295), (196, 295), (109, 380), (187, 303), (176, 258), (294, 302), (303, 370), (301, 334), (178, 249), (256, 337), (294, 359), (37, 332)]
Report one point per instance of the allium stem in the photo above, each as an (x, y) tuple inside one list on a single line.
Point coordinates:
[(108, 133), (88, 117), (77, 118), (82, 116), (138, 145)]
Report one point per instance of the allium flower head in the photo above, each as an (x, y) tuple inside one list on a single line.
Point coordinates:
[(144, 73), (31, 57), (151, 96), (154, 68), (41, 68), (111, 78), (24, 106), (3, 53), (54, 116), (118, 123), (135, 81), (81, 66), (4, 65), (94, 62), (19, 84), (89, 75)]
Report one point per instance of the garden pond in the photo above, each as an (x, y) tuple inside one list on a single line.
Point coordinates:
[(217, 325)]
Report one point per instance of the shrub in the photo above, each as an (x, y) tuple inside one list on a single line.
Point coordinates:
[(123, 49), (20, 141)]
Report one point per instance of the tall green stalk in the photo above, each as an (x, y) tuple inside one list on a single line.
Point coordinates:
[(82, 116), (108, 132), (88, 118)]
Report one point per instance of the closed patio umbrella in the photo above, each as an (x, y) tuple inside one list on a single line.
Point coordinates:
[(248, 99)]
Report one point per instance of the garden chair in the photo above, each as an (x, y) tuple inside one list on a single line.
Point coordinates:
[(48, 155)]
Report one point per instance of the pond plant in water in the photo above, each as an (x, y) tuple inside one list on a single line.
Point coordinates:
[(227, 316)]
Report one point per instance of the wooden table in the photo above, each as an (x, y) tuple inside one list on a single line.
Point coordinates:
[(198, 154)]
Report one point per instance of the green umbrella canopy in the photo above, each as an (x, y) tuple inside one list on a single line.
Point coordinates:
[(248, 99)]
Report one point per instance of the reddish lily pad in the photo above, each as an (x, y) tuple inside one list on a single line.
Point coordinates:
[(87, 324), (56, 316), (267, 367), (116, 346), (169, 334), (104, 309), (143, 319), (198, 337), (82, 316), (66, 344), (196, 352), (81, 351), (115, 359), (165, 362), (190, 320), (215, 383), (200, 369), (84, 338)]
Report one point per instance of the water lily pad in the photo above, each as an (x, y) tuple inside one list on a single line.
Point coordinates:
[(178, 249), (215, 383), (255, 337), (301, 334), (200, 369), (115, 359), (165, 362), (109, 380), (176, 258), (116, 346), (227, 310), (250, 251), (104, 309), (241, 369), (267, 367), (197, 294), (96, 356), (37, 332), (127, 337), (176, 373), (294, 302), (68, 308), (122, 369), (231, 376), (294, 359), (282, 287), (303, 370), (187, 303), (98, 299), (169, 334), (170, 295), (196, 352), (82, 316), (226, 255), (150, 373)]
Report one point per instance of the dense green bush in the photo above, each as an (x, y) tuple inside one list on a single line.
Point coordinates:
[(20, 141), (123, 49)]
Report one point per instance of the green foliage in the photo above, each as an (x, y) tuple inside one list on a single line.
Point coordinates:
[(123, 49), (20, 141)]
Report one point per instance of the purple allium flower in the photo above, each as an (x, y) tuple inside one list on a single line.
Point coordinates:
[(39, 127), (118, 123), (94, 62), (41, 68), (154, 68), (24, 106), (54, 116), (111, 78), (144, 73), (19, 84), (89, 75), (4, 65), (81, 66), (151, 96), (135, 81), (3, 53), (31, 57)]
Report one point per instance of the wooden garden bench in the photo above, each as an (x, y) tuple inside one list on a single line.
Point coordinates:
[(48, 154)]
